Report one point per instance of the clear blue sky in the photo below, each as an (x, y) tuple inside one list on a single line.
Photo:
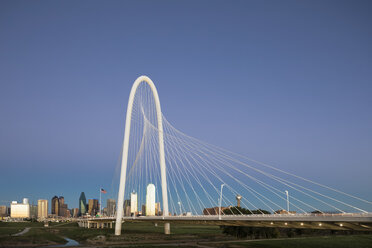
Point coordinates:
[(285, 82)]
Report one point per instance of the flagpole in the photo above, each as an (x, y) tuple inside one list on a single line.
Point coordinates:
[(100, 201)]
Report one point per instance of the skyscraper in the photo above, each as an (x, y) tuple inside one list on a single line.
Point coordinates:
[(62, 207), (3, 211), (157, 209), (150, 200), (143, 212), (127, 208), (55, 205), (82, 204), (111, 206), (33, 211), (42, 209), (133, 203), (75, 212), (93, 207)]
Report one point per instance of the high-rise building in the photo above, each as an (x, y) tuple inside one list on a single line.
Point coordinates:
[(143, 212), (3, 211), (42, 209), (126, 207), (62, 207), (59, 207), (111, 206), (133, 203), (33, 211), (55, 205), (150, 200), (93, 207), (82, 204), (75, 212), (20, 210), (157, 209)]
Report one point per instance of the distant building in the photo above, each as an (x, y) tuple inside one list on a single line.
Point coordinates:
[(282, 211), (133, 203), (3, 211), (93, 208), (63, 210), (59, 207), (82, 204), (67, 213), (33, 211), (42, 209), (157, 209), (20, 210), (127, 208), (55, 205), (111, 206), (150, 200), (143, 213), (213, 211), (62, 206), (75, 212)]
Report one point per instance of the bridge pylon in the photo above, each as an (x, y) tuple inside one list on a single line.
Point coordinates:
[(124, 159)]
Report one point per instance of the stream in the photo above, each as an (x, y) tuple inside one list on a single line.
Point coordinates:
[(70, 242)]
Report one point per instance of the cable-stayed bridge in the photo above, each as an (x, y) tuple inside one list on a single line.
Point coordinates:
[(193, 181)]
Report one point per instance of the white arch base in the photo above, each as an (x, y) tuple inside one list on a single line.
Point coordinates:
[(124, 159)]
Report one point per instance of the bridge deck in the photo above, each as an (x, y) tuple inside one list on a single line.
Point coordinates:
[(361, 222)]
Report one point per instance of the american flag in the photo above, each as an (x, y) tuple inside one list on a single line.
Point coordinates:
[(103, 191)]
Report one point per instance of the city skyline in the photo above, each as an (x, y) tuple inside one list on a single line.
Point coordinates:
[(185, 123)]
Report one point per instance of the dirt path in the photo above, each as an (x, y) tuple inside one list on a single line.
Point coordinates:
[(23, 232)]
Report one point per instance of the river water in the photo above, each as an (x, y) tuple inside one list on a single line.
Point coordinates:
[(70, 242)]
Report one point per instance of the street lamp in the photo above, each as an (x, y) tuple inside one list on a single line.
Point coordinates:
[(286, 192), (179, 203), (219, 210)]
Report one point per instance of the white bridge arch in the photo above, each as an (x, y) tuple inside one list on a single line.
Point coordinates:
[(124, 159)]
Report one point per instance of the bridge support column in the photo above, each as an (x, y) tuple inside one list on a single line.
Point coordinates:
[(167, 228)]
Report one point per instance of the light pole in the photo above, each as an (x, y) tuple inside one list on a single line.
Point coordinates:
[(286, 192), (100, 201), (179, 203), (219, 209)]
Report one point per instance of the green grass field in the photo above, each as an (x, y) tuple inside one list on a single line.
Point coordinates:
[(9, 228), (353, 241), (146, 234)]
